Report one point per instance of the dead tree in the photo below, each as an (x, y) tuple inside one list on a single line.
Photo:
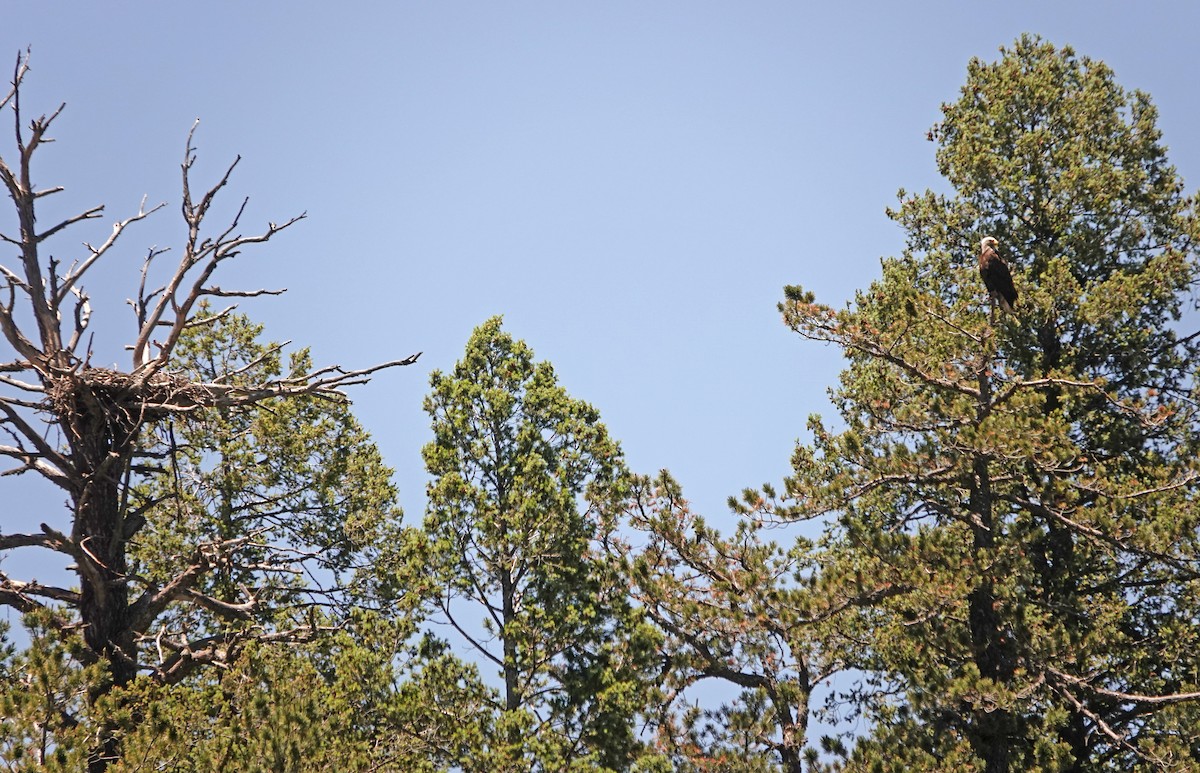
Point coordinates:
[(96, 417)]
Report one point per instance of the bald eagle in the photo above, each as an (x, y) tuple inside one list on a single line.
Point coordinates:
[(995, 274)]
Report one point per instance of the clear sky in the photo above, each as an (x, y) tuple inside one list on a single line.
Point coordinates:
[(630, 184)]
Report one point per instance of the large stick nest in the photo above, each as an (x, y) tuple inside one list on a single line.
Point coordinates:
[(115, 391)]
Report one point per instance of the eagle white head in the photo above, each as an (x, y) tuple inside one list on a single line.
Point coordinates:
[(988, 241)]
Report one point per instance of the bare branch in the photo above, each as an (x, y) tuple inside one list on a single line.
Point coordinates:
[(83, 315), (49, 191), (269, 352), (200, 259), (212, 254), (219, 293), (212, 319), (30, 462), (8, 326), (225, 609), (139, 305), (44, 449), (119, 227), (819, 323), (89, 214), (1118, 738), (221, 649), (10, 541), (26, 589), (23, 386), (1125, 697), (11, 596), (19, 72), (156, 599)]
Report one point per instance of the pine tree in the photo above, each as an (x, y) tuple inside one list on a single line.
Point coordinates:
[(1018, 492), (526, 482), (269, 513), (736, 613)]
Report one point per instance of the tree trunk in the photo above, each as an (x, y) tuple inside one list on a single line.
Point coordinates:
[(991, 736), (1057, 551), (992, 732), (512, 697), (104, 605), (102, 440), (791, 749)]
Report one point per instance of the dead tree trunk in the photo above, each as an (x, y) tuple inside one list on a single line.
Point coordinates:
[(101, 434)]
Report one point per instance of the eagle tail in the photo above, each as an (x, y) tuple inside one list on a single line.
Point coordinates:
[(1002, 302)]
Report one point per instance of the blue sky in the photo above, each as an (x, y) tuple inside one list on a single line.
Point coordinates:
[(630, 184)]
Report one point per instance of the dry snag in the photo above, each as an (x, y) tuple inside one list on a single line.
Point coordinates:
[(98, 416)]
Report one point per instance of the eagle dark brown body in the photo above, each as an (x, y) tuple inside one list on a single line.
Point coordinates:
[(995, 274)]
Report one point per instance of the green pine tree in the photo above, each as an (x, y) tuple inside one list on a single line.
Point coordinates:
[(1013, 497), (737, 614), (526, 482), (273, 511)]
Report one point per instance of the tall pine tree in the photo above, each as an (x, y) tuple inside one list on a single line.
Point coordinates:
[(1018, 492), (526, 485)]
